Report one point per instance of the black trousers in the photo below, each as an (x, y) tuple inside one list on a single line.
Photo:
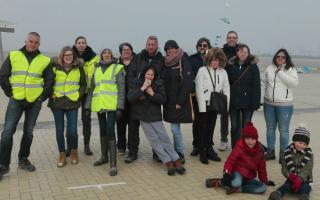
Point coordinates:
[(196, 124), (86, 120), (207, 124), (122, 129), (133, 136)]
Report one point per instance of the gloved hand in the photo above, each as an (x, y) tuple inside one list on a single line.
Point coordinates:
[(296, 185), (292, 177), (226, 179), (271, 183), (119, 114)]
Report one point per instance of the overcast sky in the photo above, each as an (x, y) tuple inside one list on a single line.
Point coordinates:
[(265, 25)]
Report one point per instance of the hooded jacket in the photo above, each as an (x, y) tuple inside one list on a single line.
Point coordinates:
[(246, 93), (143, 106), (64, 102), (277, 84)]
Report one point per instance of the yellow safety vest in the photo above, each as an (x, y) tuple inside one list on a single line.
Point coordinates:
[(89, 70), (26, 79), (67, 84), (105, 93)]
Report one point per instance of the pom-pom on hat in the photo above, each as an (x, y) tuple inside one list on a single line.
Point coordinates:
[(301, 134), (249, 131)]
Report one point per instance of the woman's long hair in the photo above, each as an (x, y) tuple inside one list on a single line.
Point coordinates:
[(289, 62)]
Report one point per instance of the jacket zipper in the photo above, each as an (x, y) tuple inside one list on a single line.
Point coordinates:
[(274, 85)]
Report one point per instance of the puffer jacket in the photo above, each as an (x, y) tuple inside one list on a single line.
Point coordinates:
[(248, 162), (277, 84), (204, 85), (246, 94)]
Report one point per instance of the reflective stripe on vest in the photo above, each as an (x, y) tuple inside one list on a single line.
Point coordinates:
[(89, 70), (105, 93), (26, 79), (67, 84)]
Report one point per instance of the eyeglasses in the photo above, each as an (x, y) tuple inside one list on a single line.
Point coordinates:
[(283, 57), (232, 38), (68, 55), (202, 45)]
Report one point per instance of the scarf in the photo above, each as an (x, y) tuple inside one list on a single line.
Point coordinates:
[(173, 59), (307, 154), (87, 55)]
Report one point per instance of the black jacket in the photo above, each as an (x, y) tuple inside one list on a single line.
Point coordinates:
[(64, 102), (229, 51), (247, 92), (143, 60), (196, 62), (5, 73), (178, 91), (143, 106)]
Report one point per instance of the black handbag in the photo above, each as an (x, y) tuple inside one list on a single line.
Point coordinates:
[(218, 100)]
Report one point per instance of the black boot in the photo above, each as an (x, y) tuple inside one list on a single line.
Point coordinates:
[(203, 157), (212, 155), (113, 157), (270, 155), (132, 156), (104, 152), (87, 149)]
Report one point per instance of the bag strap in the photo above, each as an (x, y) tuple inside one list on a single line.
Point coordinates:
[(240, 77), (214, 87)]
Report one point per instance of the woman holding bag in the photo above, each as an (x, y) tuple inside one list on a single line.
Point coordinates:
[(210, 78)]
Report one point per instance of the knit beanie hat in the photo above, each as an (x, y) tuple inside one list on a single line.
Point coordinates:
[(170, 44), (301, 134), (249, 131)]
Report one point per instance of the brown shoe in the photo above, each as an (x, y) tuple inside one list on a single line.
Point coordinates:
[(74, 156), (179, 168), (62, 160), (170, 168)]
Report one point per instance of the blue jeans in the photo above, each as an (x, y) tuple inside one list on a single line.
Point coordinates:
[(286, 188), (177, 138), (238, 122), (14, 112), (247, 186), (72, 120), (277, 116)]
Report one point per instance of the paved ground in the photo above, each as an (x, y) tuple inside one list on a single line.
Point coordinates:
[(144, 179)]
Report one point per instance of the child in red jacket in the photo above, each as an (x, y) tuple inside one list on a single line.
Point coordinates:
[(245, 162)]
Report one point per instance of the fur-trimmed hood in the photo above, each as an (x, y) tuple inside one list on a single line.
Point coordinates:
[(78, 62), (251, 60)]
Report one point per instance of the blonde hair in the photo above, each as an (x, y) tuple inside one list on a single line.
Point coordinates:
[(215, 54)]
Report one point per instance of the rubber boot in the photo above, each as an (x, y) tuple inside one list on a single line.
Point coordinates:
[(113, 157), (104, 152), (86, 142)]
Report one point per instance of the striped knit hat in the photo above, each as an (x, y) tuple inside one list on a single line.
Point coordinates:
[(301, 134)]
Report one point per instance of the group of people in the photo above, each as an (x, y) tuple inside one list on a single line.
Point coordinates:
[(130, 91)]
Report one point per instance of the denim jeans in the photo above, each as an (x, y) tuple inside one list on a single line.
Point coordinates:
[(286, 188), (107, 124), (238, 122), (277, 116), (247, 186), (177, 138), (72, 117), (14, 112)]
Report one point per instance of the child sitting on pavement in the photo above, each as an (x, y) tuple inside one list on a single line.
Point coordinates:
[(297, 167), (242, 166)]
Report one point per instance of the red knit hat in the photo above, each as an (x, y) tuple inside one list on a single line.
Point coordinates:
[(249, 131)]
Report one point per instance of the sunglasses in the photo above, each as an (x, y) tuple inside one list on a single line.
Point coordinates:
[(202, 45), (283, 57)]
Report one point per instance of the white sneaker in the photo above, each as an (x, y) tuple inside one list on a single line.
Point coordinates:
[(223, 146)]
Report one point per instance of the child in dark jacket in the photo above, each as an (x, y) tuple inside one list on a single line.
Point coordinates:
[(243, 164), (297, 167)]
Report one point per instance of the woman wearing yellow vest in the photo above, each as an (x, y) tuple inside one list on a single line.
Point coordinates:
[(69, 87), (107, 97)]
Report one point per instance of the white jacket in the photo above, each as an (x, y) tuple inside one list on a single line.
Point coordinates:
[(277, 86), (204, 85)]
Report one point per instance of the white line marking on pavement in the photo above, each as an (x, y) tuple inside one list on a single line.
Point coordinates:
[(98, 186)]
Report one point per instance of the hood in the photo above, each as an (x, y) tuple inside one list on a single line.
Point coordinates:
[(78, 62), (251, 60), (87, 55)]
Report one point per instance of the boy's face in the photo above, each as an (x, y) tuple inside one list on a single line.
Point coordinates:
[(299, 145), (250, 142)]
